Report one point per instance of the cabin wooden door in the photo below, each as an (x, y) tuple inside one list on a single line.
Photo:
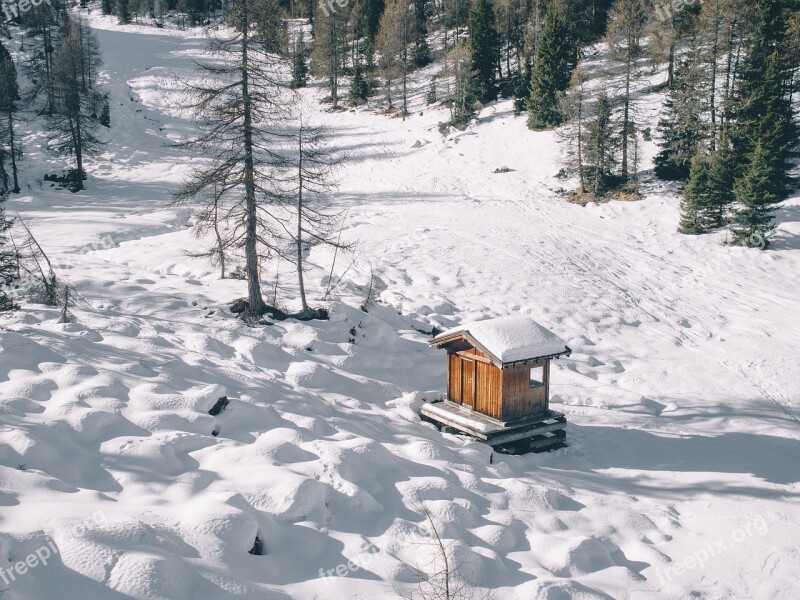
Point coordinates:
[(468, 383)]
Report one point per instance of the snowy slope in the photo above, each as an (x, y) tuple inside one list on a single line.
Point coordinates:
[(682, 391)]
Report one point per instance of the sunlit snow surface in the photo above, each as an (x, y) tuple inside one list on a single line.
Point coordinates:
[(682, 391)]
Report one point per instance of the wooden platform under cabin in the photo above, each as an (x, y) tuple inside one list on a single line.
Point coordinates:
[(537, 433)]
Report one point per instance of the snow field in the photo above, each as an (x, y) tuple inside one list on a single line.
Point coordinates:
[(681, 393)]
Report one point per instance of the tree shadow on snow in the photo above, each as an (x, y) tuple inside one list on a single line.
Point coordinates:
[(785, 240), (765, 457)]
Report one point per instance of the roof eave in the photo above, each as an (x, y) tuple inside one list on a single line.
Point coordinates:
[(443, 340), (566, 352)]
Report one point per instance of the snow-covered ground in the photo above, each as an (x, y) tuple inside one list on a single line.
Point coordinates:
[(681, 475)]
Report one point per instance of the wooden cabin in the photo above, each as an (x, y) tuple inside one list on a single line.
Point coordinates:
[(498, 383)]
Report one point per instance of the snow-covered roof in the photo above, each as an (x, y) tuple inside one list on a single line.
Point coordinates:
[(508, 339)]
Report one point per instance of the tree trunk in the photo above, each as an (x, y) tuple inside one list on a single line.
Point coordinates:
[(79, 152), (254, 297), (300, 282), (48, 70), (405, 91), (220, 244), (714, 59), (728, 77), (404, 58), (77, 142), (508, 42), (335, 63), (626, 117)]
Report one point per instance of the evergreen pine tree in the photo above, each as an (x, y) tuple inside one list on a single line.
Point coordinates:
[(41, 51), (9, 261), (755, 199), (720, 184), (431, 96), (299, 65), (359, 89), (9, 95), (682, 128), (105, 113), (599, 148), (422, 52), (696, 197), (123, 11), (74, 121), (551, 72), (373, 11), (485, 48), (522, 91), (270, 21), (762, 101), (777, 129)]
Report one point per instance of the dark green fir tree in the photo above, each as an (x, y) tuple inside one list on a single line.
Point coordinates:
[(431, 97), (522, 90), (762, 101), (720, 184), (9, 260), (777, 129), (299, 65), (485, 48), (600, 148), (123, 11), (105, 112), (682, 129), (696, 197), (373, 11), (9, 97), (422, 52), (359, 88), (551, 73), (755, 199)]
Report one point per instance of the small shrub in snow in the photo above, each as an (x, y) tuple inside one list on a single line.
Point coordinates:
[(431, 98), (238, 273)]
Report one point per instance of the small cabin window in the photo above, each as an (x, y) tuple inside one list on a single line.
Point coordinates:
[(537, 377)]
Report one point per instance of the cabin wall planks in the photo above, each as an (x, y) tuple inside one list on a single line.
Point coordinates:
[(519, 398), (504, 394)]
